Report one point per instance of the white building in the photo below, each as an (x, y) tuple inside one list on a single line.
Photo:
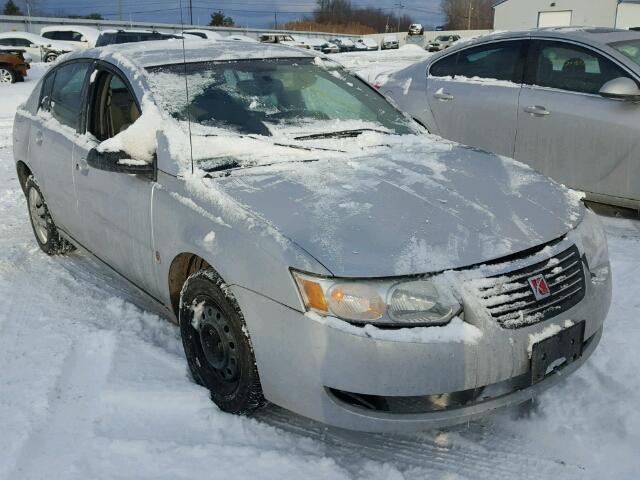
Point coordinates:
[(526, 14)]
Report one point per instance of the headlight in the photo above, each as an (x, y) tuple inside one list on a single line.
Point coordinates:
[(594, 240), (378, 302)]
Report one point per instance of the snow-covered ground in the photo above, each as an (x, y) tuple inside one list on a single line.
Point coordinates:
[(94, 385)]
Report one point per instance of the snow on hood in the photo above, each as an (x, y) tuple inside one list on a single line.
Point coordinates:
[(410, 206)]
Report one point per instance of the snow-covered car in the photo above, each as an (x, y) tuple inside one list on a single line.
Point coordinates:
[(316, 247), (343, 44), (78, 36), (442, 42), (39, 48), (13, 66), (282, 39), (416, 29), (199, 33), (240, 38), (367, 44), (390, 42), (564, 101)]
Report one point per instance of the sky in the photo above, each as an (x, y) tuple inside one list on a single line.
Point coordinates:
[(249, 13)]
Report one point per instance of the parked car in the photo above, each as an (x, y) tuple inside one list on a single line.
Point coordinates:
[(367, 44), (442, 42), (416, 29), (390, 42), (39, 48), (76, 35), (110, 37), (564, 101), (207, 34), (282, 39), (13, 65), (317, 249), (343, 44)]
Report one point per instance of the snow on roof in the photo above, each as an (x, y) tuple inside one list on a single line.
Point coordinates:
[(166, 52)]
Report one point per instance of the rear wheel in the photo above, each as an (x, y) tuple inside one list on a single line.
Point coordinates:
[(216, 344), (7, 75), (44, 229), (50, 57)]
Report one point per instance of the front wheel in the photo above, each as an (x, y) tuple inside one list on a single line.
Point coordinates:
[(50, 57), (217, 345), (7, 75), (44, 229)]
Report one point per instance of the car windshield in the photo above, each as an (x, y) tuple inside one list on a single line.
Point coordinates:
[(629, 48), (443, 39), (269, 97)]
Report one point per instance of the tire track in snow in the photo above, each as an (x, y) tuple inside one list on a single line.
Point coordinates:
[(51, 451)]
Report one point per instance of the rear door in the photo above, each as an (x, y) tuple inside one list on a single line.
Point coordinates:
[(567, 131), (473, 95), (54, 134)]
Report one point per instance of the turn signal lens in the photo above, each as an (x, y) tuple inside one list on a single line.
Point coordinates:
[(312, 294)]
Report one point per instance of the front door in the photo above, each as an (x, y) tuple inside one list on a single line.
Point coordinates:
[(473, 95), (115, 207), (567, 131)]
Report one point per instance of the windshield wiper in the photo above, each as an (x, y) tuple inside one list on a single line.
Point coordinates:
[(340, 134)]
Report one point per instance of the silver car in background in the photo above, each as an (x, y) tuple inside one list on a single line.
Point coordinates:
[(564, 101), (317, 248)]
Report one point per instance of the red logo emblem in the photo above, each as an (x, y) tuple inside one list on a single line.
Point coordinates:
[(540, 287)]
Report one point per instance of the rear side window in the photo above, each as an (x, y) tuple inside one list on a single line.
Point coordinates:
[(495, 61), (66, 94), (499, 61), (445, 67), (569, 67)]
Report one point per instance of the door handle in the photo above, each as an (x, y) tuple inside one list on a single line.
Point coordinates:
[(537, 111), (39, 137), (443, 96)]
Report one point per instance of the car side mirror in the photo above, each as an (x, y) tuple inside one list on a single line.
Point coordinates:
[(118, 162), (622, 88)]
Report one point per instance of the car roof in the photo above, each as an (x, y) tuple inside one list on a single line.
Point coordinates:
[(23, 35), (168, 52), (590, 35), (69, 28)]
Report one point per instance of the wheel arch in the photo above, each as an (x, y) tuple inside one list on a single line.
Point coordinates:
[(182, 266), (23, 173)]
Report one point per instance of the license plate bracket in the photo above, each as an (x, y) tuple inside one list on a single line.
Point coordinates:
[(548, 354)]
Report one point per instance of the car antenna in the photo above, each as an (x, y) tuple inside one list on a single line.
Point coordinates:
[(186, 85)]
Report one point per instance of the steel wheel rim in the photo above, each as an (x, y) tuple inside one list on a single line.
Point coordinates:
[(217, 342), (38, 214), (5, 76)]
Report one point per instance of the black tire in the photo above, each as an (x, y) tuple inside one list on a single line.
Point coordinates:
[(7, 75), (50, 57), (44, 229), (216, 344)]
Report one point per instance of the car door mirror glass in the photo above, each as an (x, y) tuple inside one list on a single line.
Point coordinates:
[(622, 89), (118, 162)]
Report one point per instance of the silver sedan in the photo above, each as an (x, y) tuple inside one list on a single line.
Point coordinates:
[(564, 101), (318, 250)]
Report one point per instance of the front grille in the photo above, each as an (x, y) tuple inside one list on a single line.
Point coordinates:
[(511, 301)]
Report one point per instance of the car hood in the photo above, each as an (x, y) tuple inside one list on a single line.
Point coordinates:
[(399, 210)]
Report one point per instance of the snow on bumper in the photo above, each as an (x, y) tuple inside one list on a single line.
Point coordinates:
[(301, 360)]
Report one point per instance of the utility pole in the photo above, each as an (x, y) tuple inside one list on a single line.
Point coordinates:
[(120, 10), (400, 8), (469, 15), (191, 11), (275, 20)]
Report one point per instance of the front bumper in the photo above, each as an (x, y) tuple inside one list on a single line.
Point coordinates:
[(302, 360)]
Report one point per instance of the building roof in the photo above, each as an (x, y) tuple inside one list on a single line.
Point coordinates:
[(499, 2)]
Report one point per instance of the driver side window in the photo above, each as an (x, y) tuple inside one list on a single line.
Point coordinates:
[(113, 106)]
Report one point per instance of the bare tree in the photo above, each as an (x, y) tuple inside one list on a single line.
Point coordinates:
[(468, 14), (337, 12)]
